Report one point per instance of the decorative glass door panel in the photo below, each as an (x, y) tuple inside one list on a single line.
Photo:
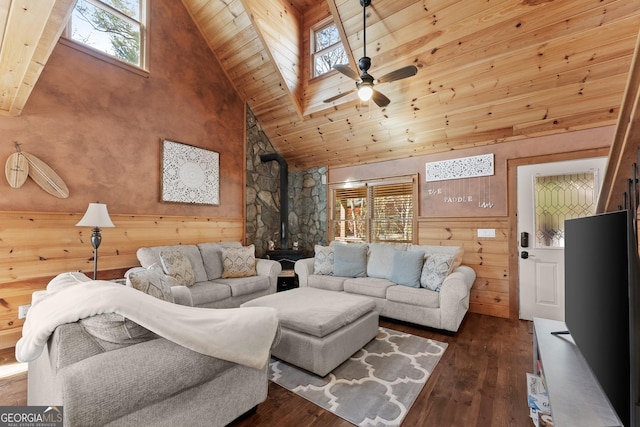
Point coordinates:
[(548, 194), (561, 197)]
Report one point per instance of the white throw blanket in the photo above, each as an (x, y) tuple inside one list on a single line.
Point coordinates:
[(239, 335)]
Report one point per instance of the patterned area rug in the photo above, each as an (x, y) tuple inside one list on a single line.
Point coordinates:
[(376, 386)]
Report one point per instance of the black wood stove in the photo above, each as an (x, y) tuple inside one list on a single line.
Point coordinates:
[(286, 257)]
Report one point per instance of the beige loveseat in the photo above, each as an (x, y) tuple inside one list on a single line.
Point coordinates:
[(426, 285), (210, 288)]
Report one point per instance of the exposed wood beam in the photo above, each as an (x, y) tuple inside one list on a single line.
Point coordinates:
[(268, 20), (31, 32), (343, 35), (626, 142)]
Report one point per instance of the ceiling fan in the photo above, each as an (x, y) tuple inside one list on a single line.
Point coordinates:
[(365, 81)]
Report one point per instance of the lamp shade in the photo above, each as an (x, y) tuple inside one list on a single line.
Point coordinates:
[(96, 216)]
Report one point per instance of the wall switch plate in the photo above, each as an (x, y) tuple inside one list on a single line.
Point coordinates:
[(486, 232), (22, 311)]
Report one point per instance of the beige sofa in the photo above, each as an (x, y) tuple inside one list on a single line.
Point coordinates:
[(210, 289), (435, 286)]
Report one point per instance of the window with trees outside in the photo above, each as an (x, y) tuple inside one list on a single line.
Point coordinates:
[(382, 210), (327, 48), (113, 27)]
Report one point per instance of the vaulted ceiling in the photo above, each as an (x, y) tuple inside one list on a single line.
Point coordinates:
[(489, 70)]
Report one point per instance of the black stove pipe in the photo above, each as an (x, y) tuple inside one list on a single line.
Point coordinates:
[(284, 194)]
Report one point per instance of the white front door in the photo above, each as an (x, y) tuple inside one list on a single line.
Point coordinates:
[(549, 193)]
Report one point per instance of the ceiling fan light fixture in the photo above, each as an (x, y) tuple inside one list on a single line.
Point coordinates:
[(365, 92), (365, 82)]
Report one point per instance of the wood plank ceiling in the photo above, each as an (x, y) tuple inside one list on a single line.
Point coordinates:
[(489, 70), (29, 30)]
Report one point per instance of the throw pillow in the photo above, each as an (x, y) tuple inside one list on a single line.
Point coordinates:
[(381, 262), (212, 256), (154, 282), (407, 268), (323, 261), (113, 330), (239, 262), (457, 252), (350, 260), (436, 269), (176, 264)]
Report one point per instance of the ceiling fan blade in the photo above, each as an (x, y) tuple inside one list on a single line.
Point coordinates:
[(347, 71), (399, 74), (380, 99), (340, 95)]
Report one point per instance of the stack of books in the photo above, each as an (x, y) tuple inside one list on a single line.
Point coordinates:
[(539, 408)]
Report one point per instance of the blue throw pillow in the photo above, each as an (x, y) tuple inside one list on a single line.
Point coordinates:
[(407, 268), (350, 260)]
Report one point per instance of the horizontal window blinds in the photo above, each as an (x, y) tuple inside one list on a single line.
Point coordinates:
[(343, 194), (387, 199), (375, 211)]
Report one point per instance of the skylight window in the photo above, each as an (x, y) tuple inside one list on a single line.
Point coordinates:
[(327, 48), (113, 27)]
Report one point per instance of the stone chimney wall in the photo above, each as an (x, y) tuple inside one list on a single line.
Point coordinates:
[(308, 208), (307, 216)]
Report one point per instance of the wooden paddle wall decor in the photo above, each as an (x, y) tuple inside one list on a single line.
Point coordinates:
[(21, 165), (16, 169)]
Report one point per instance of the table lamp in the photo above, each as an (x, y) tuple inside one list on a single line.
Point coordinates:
[(96, 216)]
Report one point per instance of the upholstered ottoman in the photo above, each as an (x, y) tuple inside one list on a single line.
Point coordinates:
[(320, 329)]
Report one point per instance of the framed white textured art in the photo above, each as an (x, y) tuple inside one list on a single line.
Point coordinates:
[(190, 174), (464, 167)]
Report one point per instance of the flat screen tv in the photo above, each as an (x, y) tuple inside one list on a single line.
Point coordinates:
[(601, 305)]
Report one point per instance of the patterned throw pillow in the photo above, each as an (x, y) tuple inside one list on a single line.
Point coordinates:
[(436, 268), (211, 254), (176, 264), (323, 261), (457, 252), (239, 262), (154, 282)]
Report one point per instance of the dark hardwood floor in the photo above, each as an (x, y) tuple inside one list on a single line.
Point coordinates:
[(480, 381)]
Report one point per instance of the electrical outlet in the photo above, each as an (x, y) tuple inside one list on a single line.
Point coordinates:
[(486, 232), (22, 311)]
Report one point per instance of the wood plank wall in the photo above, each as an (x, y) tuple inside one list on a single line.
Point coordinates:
[(488, 256), (36, 246)]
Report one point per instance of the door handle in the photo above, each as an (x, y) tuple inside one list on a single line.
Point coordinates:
[(526, 255)]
